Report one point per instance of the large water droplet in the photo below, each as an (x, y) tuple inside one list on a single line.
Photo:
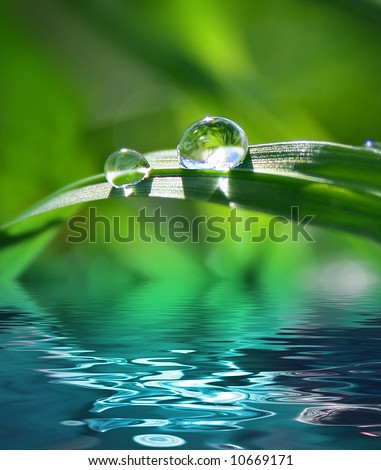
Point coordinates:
[(126, 167), (159, 440), (213, 143)]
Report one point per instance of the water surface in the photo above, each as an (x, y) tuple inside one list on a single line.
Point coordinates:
[(154, 366)]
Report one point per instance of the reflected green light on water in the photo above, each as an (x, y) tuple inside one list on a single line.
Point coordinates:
[(233, 364)]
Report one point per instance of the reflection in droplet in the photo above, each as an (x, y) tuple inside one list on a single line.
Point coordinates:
[(213, 143), (126, 167), (342, 416), (159, 440)]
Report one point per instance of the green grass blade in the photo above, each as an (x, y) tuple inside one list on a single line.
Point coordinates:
[(339, 185)]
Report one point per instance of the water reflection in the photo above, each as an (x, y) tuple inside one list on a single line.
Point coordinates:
[(198, 369), (342, 416)]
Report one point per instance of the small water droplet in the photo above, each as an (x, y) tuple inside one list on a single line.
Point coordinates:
[(371, 144), (159, 440), (213, 143), (126, 167)]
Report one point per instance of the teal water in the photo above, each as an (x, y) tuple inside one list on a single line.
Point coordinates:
[(217, 368)]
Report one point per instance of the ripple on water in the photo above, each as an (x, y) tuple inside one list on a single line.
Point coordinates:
[(216, 420), (203, 384), (159, 440), (106, 424), (342, 416), (226, 446), (72, 422)]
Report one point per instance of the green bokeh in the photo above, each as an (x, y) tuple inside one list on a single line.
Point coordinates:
[(83, 79)]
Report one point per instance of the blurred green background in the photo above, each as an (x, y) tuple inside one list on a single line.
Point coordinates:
[(80, 79)]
